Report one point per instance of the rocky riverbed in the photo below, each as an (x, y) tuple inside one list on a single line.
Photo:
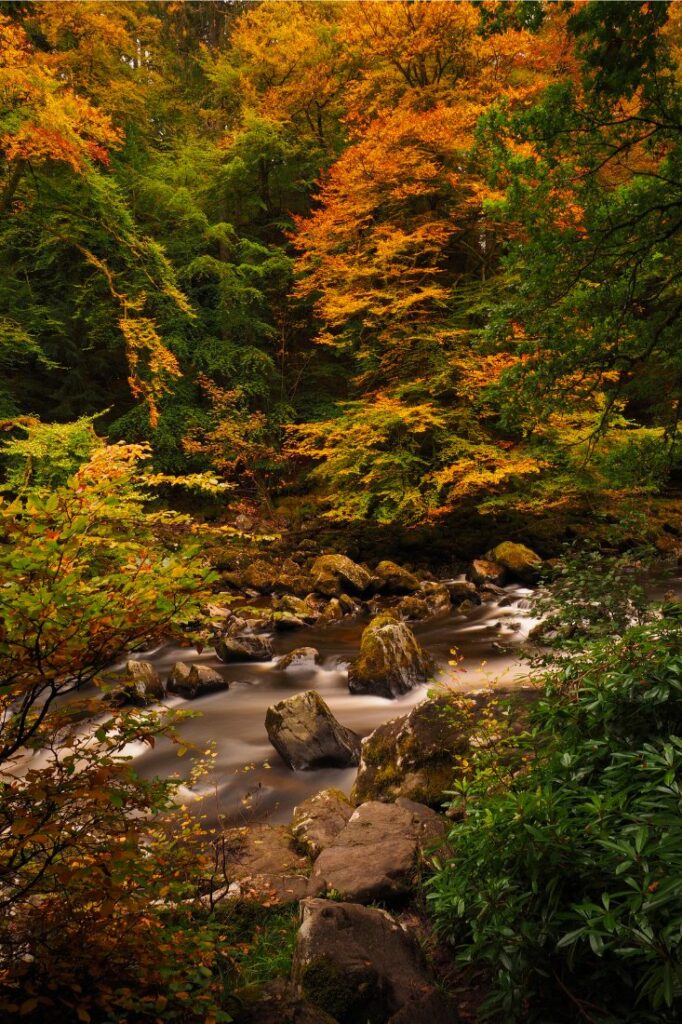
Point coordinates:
[(469, 633)]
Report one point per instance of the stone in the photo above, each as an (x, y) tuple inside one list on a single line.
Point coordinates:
[(318, 820), (285, 621), (265, 864), (358, 964), (259, 575), (463, 590), (306, 735), (143, 687), (391, 660), (300, 658), (374, 857), (277, 1002), (518, 561), (413, 756), (412, 608), (484, 571), (296, 606), (244, 648), (393, 579), (334, 575), (192, 680), (437, 597), (332, 611)]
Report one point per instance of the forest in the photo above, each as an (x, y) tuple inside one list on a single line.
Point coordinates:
[(340, 511)]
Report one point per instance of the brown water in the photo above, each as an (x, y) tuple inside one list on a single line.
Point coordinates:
[(249, 781)]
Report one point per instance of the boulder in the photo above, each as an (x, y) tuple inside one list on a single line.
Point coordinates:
[(285, 621), (143, 685), (393, 579), (334, 575), (263, 864), (260, 576), (391, 660), (296, 606), (375, 855), (300, 658), (192, 680), (412, 608), (412, 756), (244, 648), (319, 819), (437, 597), (461, 591), (332, 611), (358, 964), (484, 571), (518, 561), (306, 735)]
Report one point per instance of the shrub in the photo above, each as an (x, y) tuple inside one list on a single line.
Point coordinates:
[(567, 885)]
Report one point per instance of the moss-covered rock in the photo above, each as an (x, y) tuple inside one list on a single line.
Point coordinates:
[(393, 579), (334, 575), (413, 756), (518, 561), (391, 660), (259, 575)]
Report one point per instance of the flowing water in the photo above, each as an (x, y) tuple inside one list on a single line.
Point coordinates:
[(249, 781)]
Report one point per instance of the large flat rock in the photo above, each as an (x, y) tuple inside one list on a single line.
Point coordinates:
[(374, 857)]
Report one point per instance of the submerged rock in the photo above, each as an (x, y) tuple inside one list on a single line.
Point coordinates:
[(192, 680), (306, 735), (374, 857), (334, 575), (391, 660), (319, 819), (518, 561), (393, 579), (244, 648), (358, 964), (301, 657)]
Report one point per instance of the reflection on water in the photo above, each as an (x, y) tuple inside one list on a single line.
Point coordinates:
[(249, 781)]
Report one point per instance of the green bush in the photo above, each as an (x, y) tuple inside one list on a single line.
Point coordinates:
[(567, 886)]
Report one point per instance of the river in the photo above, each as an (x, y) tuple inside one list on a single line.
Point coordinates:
[(248, 780)]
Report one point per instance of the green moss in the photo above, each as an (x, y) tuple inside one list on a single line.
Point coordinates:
[(325, 985)]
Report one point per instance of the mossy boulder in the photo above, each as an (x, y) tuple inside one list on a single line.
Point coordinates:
[(360, 965), (413, 756), (412, 608), (391, 660), (334, 575), (393, 579), (306, 735), (259, 575), (518, 561)]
